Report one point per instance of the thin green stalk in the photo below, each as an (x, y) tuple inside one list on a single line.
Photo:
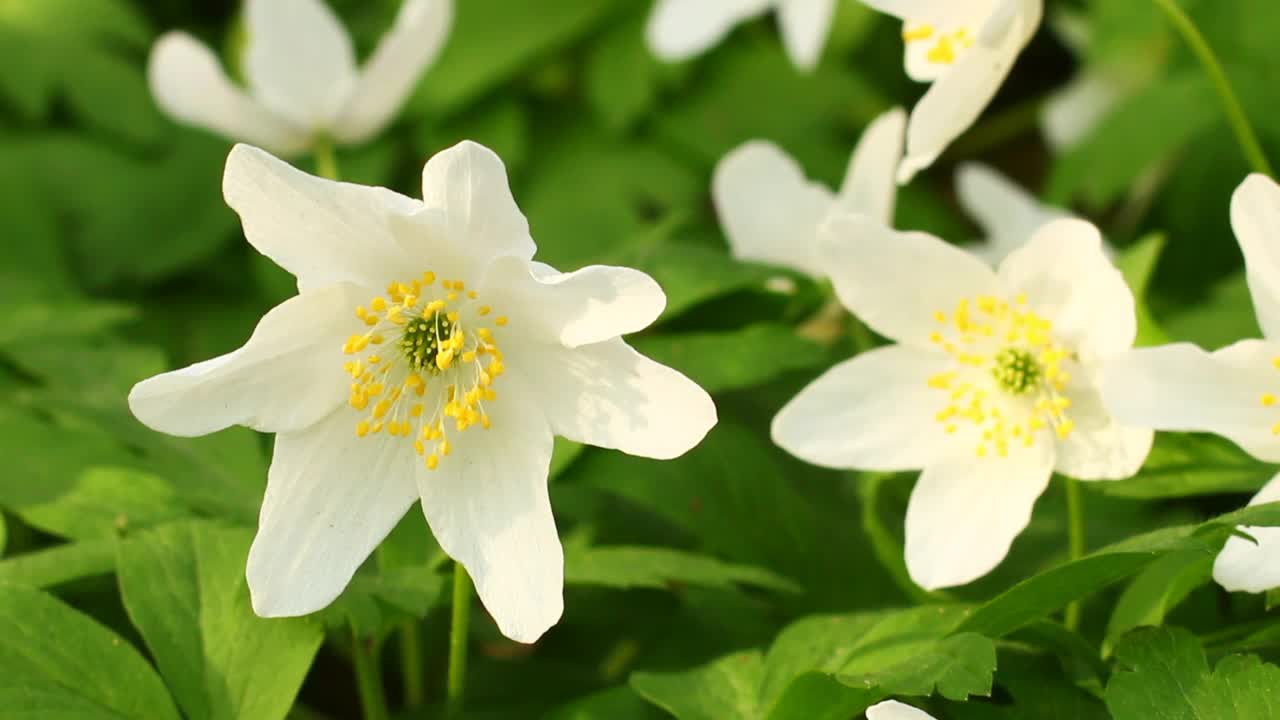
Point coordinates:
[(326, 158), (373, 700), (457, 683), (887, 549), (1075, 542), (411, 665), (1245, 134)]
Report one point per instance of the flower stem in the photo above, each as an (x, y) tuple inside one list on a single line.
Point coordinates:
[(326, 158), (373, 701), (411, 667), (887, 549), (1075, 542), (458, 641), (1245, 134)]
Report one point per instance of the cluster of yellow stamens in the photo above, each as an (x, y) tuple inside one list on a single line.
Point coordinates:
[(946, 45), (1269, 399), (1009, 379), (437, 367)]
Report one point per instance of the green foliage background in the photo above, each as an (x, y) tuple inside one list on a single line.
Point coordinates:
[(735, 582)]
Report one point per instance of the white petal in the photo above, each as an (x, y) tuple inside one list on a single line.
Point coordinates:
[(1072, 112), (488, 507), (805, 24), (1182, 388), (769, 211), (321, 231), (869, 184), (391, 73), (1068, 280), (299, 60), (680, 29), (965, 512), (896, 281), (286, 377), (331, 498), (587, 306), (1245, 567), (1099, 447), (468, 183), (873, 412), (1007, 214), (189, 84), (913, 9), (611, 396), (894, 710), (1255, 217)]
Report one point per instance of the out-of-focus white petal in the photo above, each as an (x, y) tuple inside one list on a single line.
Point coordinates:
[(468, 184), (1255, 217), (189, 84), (299, 61), (680, 29), (965, 512), (870, 185), (1183, 388), (286, 377), (488, 507), (1245, 567), (320, 230), (1073, 111), (897, 281), (331, 498), (769, 211), (805, 25), (587, 306), (1008, 215), (611, 396), (387, 78), (873, 412), (894, 710), (1099, 447), (1069, 281), (922, 10)]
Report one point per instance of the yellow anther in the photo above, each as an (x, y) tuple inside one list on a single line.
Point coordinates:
[(472, 294), (444, 447), (380, 409), (1268, 399), (362, 428), (409, 301), (451, 296), (444, 358), (982, 451), (416, 411), (500, 320), (378, 304), (469, 356), (1061, 403), (433, 462), (920, 32), (433, 307), (419, 448), (376, 339), (484, 310), (428, 277), (374, 359), (459, 285), (453, 317), (1064, 429)]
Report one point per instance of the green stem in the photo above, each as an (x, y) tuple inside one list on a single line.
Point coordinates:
[(457, 683), (373, 701), (326, 158), (1075, 542), (887, 549), (411, 666), (1245, 135)]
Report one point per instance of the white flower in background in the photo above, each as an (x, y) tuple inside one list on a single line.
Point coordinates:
[(771, 213), (894, 710), (991, 387), (681, 29), (302, 77), (1231, 392), (965, 48), (1007, 214), (425, 356)]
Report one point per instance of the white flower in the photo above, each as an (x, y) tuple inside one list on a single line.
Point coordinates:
[(771, 213), (425, 356), (302, 76), (894, 710), (965, 48), (1231, 392), (990, 389), (681, 29)]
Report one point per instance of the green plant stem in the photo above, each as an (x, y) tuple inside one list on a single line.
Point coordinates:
[(326, 158), (373, 700), (411, 665), (1245, 134), (457, 682), (887, 549), (1075, 542)]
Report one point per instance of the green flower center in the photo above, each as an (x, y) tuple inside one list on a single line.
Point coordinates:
[(1016, 371), (422, 341)]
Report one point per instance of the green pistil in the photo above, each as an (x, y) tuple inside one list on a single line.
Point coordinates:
[(1016, 371), (422, 340)]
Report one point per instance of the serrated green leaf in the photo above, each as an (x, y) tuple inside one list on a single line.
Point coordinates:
[(734, 360), (957, 666), (723, 690), (660, 568)]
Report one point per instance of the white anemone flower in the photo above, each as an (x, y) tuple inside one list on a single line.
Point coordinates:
[(991, 387), (771, 212), (303, 83), (682, 29), (1231, 392), (894, 710), (966, 49), (426, 356)]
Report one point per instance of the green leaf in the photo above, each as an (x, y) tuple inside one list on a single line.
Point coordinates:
[(57, 664), (618, 703), (622, 76), (1138, 263), (1188, 465), (736, 359), (660, 568), (691, 274), (1157, 590), (108, 501), (4, 533), (60, 563), (40, 322), (723, 690), (184, 587), (958, 666), (1220, 319)]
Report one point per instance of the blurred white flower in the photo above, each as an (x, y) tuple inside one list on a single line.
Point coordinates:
[(771, 213), (302, 77), (426, 356), (966, 49), (682, 29), (991, 388), (1231, 392), (894, 710)]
